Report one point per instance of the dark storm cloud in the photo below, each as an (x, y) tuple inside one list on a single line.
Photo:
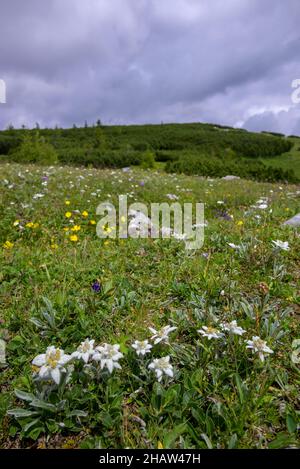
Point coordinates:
[(150, 61)]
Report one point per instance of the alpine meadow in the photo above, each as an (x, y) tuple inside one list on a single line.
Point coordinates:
[(149, 232)]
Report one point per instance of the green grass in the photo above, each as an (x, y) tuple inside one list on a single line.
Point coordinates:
[(222, 395)]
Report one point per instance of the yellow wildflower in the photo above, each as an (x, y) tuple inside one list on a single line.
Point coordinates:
[(8, 245), (67, 202), (74, 238), (16, 223), (240, 223), (68, 214), (92, 222), (54, 246), (85, 214), (29, 224), (76, 228)]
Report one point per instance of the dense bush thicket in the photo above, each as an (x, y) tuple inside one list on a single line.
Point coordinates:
[(245, 168), (196, 148), (34, 149)]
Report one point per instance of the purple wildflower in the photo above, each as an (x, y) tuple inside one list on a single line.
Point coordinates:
[(96, 286)]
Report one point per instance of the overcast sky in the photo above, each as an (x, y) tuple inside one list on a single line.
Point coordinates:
[(146, 61)]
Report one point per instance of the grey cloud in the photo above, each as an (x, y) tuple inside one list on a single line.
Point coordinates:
[(149, 61)]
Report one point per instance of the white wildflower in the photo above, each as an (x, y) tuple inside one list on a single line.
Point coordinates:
[(284, 245), (162, 366), (234, 246), (258, 345), (142, 347), (84, 351), (108, 356), (172, 197), (233, 328), (210, 332), (162, 335), (51, 364)]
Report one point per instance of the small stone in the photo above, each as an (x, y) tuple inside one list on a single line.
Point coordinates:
[(230, 177), (295, 221)]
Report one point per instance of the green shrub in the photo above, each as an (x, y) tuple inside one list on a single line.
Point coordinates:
[(34, 149), (148, 159)]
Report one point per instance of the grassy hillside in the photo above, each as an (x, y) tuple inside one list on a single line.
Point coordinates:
[(201, 149)]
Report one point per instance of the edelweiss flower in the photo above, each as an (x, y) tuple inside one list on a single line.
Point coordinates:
[(258, 345), (85, 350), (172, 197), (234, 246), (284, 245), (180, 236), (142, 347), (233, 328), (51, 363), (108, 356), (162, 335), (210, 332), (162, 366)]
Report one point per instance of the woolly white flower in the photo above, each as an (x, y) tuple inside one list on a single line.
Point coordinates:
[(180, 236), (139, 224), (284, 245), (166, 232), (85, 350), (233, 328), (210, 332), (108, 356), (142, 347), (172, 197), (234, 246), (162, 335), (51, 363), (258, 345), (162, 366)]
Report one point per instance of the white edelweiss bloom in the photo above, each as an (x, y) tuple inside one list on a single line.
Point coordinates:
[(142, 347), (84, 351), (108, 355), (258, 345), (262, 206), (284, 245), (172, 197), (234, 246), (180, 236), (233, 328), (166, 232), (51, 363), (210, 332), (162, 335), (162, 366), (38, 196)]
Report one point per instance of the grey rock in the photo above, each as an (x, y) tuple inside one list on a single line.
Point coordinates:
[(230, 177), (295, 221)]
